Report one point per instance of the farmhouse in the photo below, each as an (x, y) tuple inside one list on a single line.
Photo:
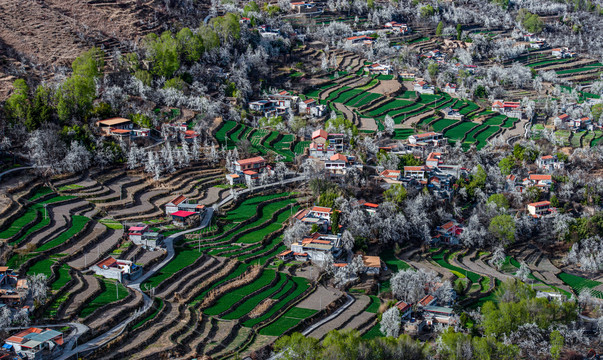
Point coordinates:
[(303, 7), (185, 218), (450, 232), (439, 314), (405, 309), (234, 179), (399, 27), (427, 300), (359, 40), (391, 175), (378, 68), (424, 88), (254, 163), (540, 208), (311, 218), (372, 264), (509, 108), (450, 88), (549, 163), (450, 113), (415, 172), (539, 180), (562, 53), (106, 126), (35, 343), (283, 99), (429, 137), (336, 163), (172, 206), (433, 159), (120, 270), (135, 232), (317, 246)]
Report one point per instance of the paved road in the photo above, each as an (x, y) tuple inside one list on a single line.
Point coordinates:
[(135, 285), (14, 170), (261, 187)]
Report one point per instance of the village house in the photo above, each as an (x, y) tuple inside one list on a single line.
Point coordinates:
[(319, 216), (120, 270), (185, 218), (135, 232), (378, 69), (395, 175), (302, 7), (439, 314), (234, 179), (549, 163), (284, 100), (434, 55), (405, 310), (508, 108), (540, 208), (35, 343), (433, 159), (450, 113), (427, 300), (450, 88), (261, 106), (415, 172), (359, 40), (317, 246), (562, 53), (172, 206), (370, 208), (450, 232), (106, 126), (437, 139), (142, 235), (305, 106), (542, 181), (398, 27), (255, 163), (336, 141), (580, 124), (337, 164), (424, 88), (372, 264)]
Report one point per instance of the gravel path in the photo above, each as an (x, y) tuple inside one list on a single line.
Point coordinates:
[(356, 308)]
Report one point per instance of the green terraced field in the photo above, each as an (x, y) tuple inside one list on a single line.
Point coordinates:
[(563, 136), (578, 283), (458, 131), (442, 261), (441, 124), (248, 207), (182, 259), (288, 320), (344, 97), (221, 133), (364, 99), (302, 286), (300, 146), (548, 62), (483, 136), (402, 134), (509, 122), (253, 301), (229, 299), (575, 141), (78, 223), (390, 105), (111, 294)]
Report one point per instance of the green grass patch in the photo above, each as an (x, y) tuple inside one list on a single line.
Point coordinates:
[(249, 304), (78, 222), (374, 305), (111, 294)]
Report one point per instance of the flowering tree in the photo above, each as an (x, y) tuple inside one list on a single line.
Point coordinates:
[(390, 322)]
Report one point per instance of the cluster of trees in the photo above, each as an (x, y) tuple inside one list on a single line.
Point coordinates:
[(349, 346), (588, 253)]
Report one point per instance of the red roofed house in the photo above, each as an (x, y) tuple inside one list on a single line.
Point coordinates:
[(120, 270), (358, 40), (582, 123), (305, 105), (540, 180), (378, 68), (424, 88), (114, 123), (320, 136), (450, 232), (172, 206), (549, 163), (254, 163), (427, 300), (321, 212), (433, 159), (286, 255), (436, 138), (415, 172), (135, 232), (391, 174), (405, 309), (234, 179), (36, 343), (450, 88), (185, 218), (509, 108), (540, 208), (251, 176), (336, 162)]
